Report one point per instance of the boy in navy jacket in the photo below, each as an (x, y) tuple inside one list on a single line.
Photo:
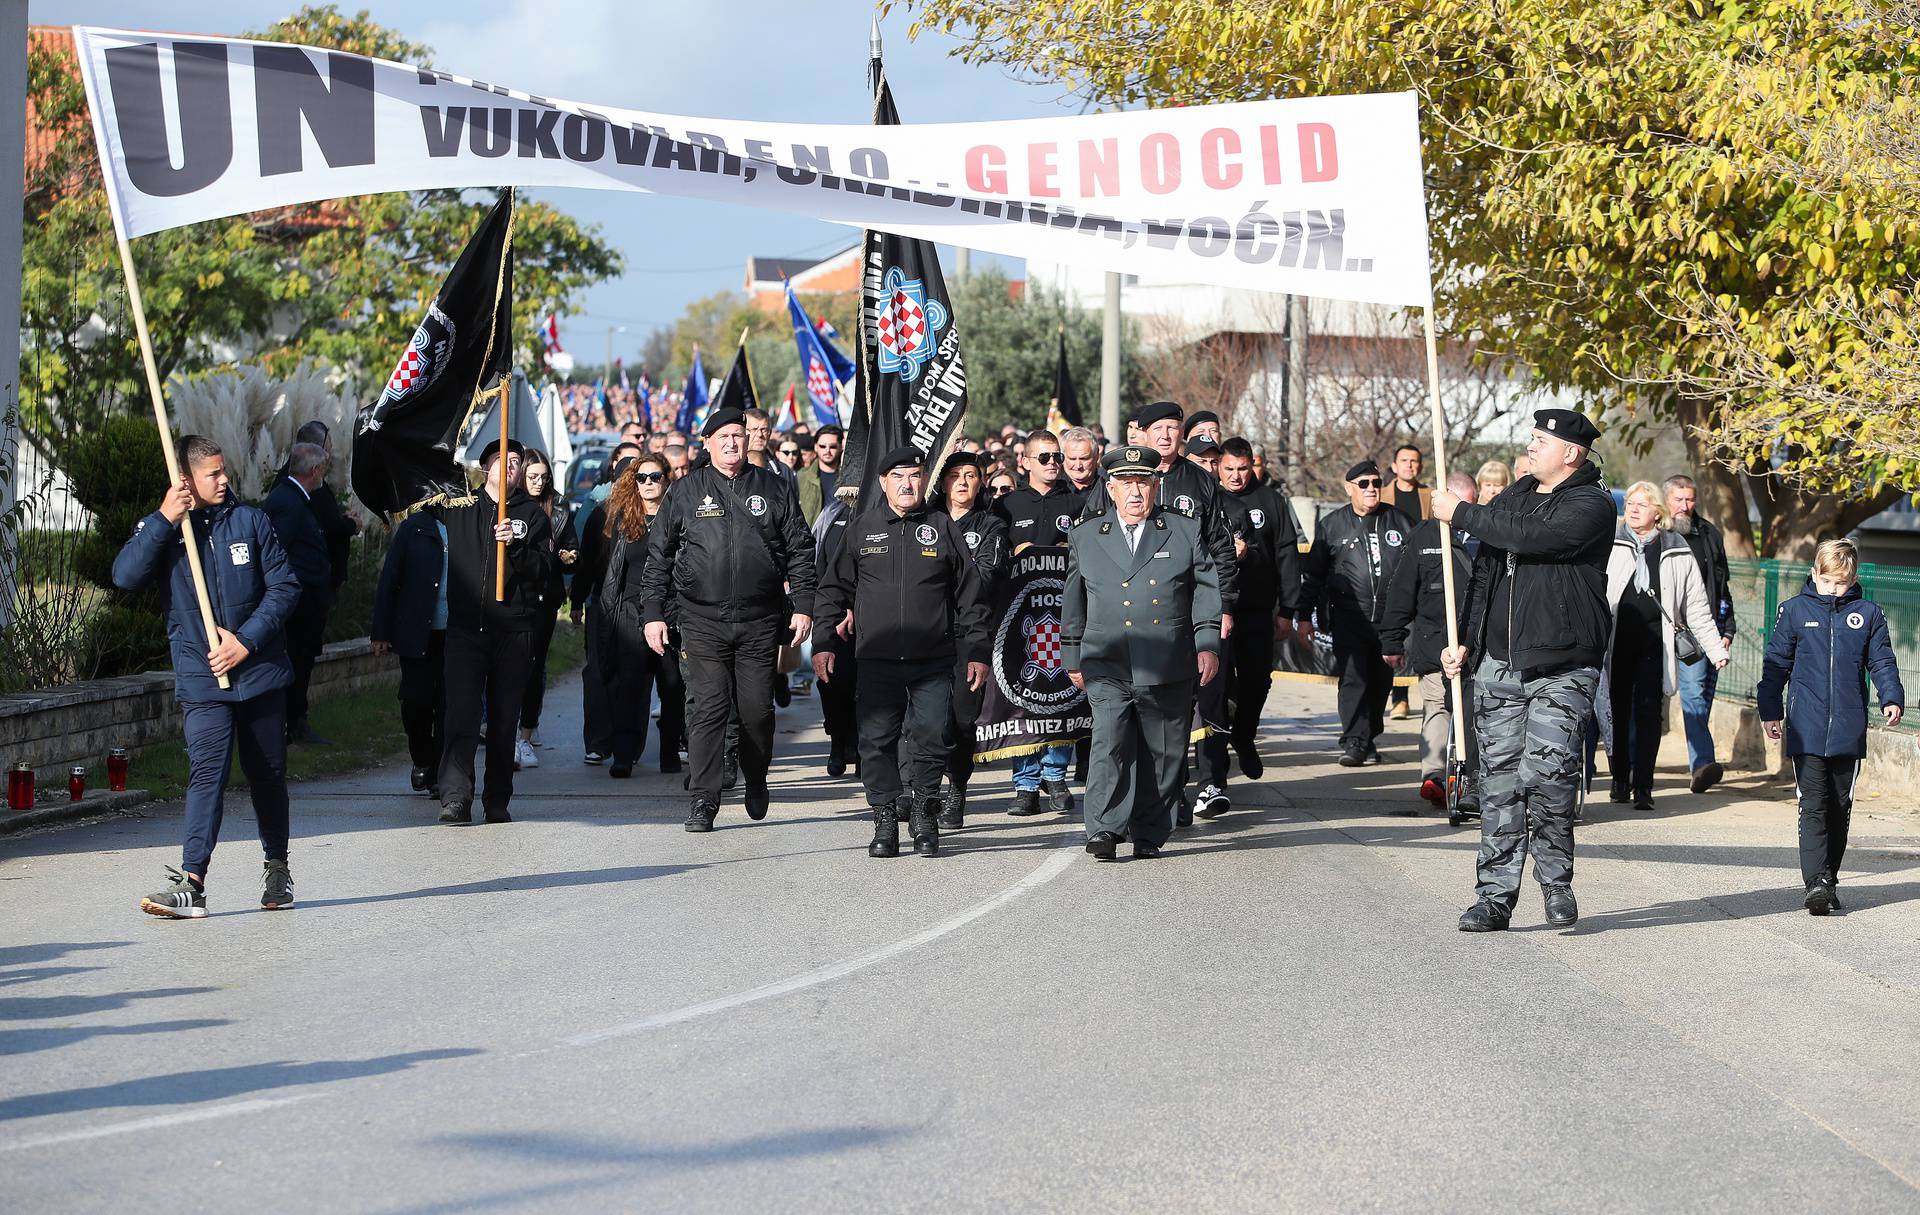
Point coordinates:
[(253, 590), (1826, 641)]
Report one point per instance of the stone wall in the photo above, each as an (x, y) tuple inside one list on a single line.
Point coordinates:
[(1892, 764), (78, 723)]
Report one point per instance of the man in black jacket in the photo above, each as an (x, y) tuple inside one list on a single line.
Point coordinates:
[(1537, 625), (905, 590), (1414, 631), (290, 504), (1269, 585), (1041, 512), (489, 644), (732, 549), (410, 620), (1356, 550), (1698, 679)]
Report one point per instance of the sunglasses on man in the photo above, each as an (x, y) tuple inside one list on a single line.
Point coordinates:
[(1368, 483), (1047, 457)]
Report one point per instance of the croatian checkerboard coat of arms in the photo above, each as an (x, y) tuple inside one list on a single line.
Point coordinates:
[(425, 359), (908, 324)]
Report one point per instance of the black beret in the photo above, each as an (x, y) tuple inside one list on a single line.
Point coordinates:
[(1132, 460), (899, 457), (514, 448), (1569, 425), (1202, 446), (959, 459), (1147, 415), (1204, 415), (1366, 468), (722, 417)]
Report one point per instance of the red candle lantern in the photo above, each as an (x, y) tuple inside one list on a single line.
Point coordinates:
[(77, 783), (117, 769), (20, 786)]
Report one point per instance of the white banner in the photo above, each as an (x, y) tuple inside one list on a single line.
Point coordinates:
[(1315, 196)]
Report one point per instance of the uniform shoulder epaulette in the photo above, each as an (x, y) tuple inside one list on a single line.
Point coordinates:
[(1091, 519)]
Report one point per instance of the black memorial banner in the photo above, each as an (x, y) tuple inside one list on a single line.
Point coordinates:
[(1029, 703)]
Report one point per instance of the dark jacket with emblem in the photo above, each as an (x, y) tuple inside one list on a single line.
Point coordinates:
[(1139, 617), (1187, 489), (1821, 648), (252, 587), (1415, 623), (1268, 575), (409, 589), (986, 536), (910, 582), (470, 564), (1555, 553), (1338, 577), (1035, 518), (728, 549)]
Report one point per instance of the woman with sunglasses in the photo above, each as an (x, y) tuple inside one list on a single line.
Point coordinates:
[(537, 478), (1001, 483), (632, 666)]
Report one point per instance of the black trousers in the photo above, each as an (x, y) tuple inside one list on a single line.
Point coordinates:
[(728, 668), (596, 729), (1637, 699), (1252, 670), (837, 700), (1364, 681), (636, 670), (535, 697), (494, 664), (1825, 783), (905, 708), (423, 702), (966, 711), (1210, 710), (306, 631)]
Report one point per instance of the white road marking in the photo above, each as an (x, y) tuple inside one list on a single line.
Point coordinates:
[(155, 1123), (1045, 872)]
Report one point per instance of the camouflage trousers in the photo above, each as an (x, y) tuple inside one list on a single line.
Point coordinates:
[(1531, 734)]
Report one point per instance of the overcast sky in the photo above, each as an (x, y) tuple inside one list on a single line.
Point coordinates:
[(787, 60)]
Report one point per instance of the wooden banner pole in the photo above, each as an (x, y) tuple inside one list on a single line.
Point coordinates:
[(501, 490), (1446, 535), (166, 446)]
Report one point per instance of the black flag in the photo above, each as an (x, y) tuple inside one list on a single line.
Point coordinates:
[(403, 444), (736, 391), (910, 386), (1066, 402)]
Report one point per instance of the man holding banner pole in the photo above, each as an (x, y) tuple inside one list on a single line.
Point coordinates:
[(1537, 627)]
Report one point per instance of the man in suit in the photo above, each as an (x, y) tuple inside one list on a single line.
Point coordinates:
[(410, 621), (1141, 618), (290, 506)]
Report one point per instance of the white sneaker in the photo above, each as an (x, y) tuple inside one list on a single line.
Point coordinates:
[(524, 756)]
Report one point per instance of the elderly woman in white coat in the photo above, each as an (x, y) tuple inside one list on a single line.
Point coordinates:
[(1657, 593)]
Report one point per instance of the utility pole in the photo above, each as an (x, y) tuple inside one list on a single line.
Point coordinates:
[(962, 261), (1295, 399), (1110, 363), (13, 147)]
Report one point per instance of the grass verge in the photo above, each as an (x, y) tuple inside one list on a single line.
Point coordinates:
[(362, 728)]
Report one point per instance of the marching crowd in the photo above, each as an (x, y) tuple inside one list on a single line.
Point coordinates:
[(707, 570)]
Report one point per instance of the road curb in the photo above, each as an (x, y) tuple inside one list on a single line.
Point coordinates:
[(72, 812)]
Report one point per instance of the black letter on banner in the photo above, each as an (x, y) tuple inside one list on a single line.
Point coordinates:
[(287, 88), (870, 163), (443, 137), (206, 116), (1326, 239), (585, 138), (630, 145), (536, 134), (490, 131)]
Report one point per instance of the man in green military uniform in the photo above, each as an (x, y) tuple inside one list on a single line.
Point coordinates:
[(1140, 631)]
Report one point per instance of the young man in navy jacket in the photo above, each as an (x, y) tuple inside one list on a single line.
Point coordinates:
[(253, 590)]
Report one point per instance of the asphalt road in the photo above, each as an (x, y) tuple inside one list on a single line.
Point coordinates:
[(591, 1009)]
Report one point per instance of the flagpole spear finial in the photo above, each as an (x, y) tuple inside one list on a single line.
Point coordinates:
[(873, 39)]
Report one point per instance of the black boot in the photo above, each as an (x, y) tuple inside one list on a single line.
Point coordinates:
[(953, 811), (886, 831), (1026, 803), (925, 826)]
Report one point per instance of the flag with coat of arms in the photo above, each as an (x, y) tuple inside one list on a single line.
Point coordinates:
[(817, 364)]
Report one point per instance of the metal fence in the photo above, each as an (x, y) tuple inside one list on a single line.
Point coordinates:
[(1760, 587)]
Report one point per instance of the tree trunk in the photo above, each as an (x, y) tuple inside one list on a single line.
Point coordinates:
[(1796, 522), (1722, 490)]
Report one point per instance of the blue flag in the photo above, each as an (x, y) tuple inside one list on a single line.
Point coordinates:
[(601, 402), (816, 364), (693, 402), (843, 369)]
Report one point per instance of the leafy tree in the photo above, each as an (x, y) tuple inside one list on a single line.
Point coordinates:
[(1608, 203), (341, 282)]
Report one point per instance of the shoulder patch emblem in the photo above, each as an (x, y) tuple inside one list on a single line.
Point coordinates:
[(1856, 619), (973, 539), (241, 552), (925, 534), (519, 528), (1393, 537), (1258, 516), (1184, 504), (756, 506), (1063, 522)]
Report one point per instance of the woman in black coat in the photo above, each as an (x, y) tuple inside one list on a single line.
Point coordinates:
[(633, 667), (537, 477)]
